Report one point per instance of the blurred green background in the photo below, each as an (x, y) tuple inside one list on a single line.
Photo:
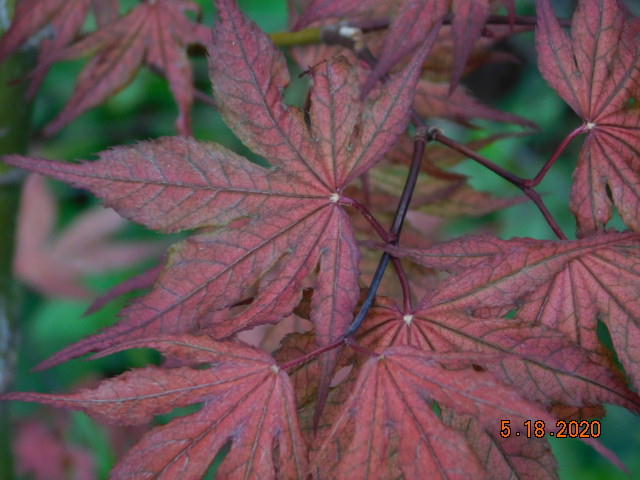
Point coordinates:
[(146, 110)]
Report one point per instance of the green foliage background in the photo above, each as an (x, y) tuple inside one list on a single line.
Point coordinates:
[(146, 110)]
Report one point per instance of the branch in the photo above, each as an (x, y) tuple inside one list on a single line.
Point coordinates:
[(515, 20), (519, 182), (15, 120), (396, 229), (369, 217), (308, 36), (389, 238)]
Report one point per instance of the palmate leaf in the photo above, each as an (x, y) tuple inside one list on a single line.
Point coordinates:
[(444, 197), (600, 283), (543, 364), (277, 223), (247, 400), (155, 33), (322, 9), (387, 428), (55, 458), (601, 286), (63, 17), (596, 71), (434, 99)]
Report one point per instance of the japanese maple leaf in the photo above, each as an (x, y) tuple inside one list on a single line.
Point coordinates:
[(541, 363), (278, 223), (106, 11), (387, 428), (155, 33), (580, 283), (247, 400), (601, 286), (596, 71), (64, 18), (54, 264)]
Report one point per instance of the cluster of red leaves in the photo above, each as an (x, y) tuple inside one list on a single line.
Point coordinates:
[(507, 329), (155, 33)]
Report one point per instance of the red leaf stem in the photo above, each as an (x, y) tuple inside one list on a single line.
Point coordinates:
[(561, 148)]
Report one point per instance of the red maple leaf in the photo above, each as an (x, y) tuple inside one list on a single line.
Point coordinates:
[(64, 18), (155, 33), (248, 401), (562, 287), (387, 427), (278, 223), (434, 99), (542, 364), (596, 71)]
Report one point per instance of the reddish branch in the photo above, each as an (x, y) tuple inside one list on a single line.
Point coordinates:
[(515, 20), (521, 183)]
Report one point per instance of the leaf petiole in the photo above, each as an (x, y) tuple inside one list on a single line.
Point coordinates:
[(561, 148)]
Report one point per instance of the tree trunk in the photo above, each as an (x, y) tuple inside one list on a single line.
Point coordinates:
[(15, 116)]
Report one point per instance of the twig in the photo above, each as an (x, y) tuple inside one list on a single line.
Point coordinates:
[(519, 182), (386, 237), (376, 25), (396, 229), (308, 36), (516, 20)]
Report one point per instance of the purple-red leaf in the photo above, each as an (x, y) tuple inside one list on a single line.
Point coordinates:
[(416, 24), (600, 286), (387, 427), (155, 33), (323, 9), (63, 17), (43, 454), (541, 363), (469, 18), (512, 457), (246, 400), (436, 100), (596, 71), (277, 224), (570, 287)]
